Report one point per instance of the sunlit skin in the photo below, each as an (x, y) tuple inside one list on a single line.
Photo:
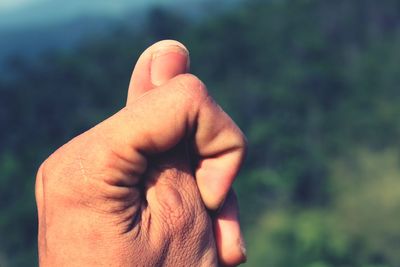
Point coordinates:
[(138, 188)]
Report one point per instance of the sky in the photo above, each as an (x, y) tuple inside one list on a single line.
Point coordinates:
[(17, 14), (8, 5), (13, 5)]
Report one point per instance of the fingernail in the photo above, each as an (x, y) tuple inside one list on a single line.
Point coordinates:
[(167, 62)]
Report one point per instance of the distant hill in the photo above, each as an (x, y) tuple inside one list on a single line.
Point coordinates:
[(28, 42), (45, 12), (47, 25)]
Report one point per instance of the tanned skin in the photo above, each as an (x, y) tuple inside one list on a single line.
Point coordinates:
[(138, 188)]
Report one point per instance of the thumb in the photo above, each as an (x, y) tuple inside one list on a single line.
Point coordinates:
[(158, 64)]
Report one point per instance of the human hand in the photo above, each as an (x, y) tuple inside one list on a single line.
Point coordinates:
[(133, 190)]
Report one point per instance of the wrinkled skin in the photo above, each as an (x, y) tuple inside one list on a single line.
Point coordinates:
[(136, 189)]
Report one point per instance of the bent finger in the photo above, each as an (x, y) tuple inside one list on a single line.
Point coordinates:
[(182, 109), (229, 238)]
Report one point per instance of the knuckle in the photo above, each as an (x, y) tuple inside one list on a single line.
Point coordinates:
[(178, 206), (240, 142), (243, 143), (242, 148), (192, 86), (45, 174), (39, 175), (39, 185), (46, 169), (56, 175), (52, 166), (171, 203)]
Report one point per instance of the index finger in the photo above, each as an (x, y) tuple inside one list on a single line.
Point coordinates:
[(166, 115)]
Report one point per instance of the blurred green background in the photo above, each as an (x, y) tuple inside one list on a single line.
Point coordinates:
[(313, 84)]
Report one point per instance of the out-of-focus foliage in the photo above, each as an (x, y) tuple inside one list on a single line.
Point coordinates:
[(313, 84)]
